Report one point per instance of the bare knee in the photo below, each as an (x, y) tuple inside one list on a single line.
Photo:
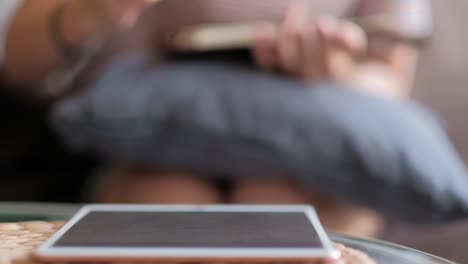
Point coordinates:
[(351, 220), (272, 191), (157, 186), (335, 215)]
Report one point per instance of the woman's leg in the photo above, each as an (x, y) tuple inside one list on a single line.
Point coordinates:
[(129, 185), (334, 215)]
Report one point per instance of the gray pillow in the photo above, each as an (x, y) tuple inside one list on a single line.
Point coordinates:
[(222, 117)]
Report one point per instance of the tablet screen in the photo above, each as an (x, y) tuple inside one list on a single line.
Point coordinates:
[(189, 233), (191, 229)]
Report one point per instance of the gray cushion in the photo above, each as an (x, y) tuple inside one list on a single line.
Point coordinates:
[(226, 118)]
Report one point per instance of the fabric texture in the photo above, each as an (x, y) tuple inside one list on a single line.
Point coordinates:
[(227, 118)]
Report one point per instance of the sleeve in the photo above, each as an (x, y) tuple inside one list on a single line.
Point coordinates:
[(411, 19), (7, 11)]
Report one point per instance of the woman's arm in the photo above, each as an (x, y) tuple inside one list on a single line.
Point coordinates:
[(31, 53), (393, 50)]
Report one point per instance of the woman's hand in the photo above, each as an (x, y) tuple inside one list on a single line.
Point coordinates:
[(325, 49)]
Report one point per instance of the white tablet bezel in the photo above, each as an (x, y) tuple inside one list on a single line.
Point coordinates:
[(47, 251)]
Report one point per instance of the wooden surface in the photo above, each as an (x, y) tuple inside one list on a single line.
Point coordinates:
[(18, 241)]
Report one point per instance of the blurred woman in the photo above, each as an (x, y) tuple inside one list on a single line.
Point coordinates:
[(51, 44)]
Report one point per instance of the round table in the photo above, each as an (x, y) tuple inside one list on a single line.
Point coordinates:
[(384, 252), (381, 252)]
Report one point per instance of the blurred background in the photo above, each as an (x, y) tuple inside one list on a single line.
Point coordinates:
[(36, 167)]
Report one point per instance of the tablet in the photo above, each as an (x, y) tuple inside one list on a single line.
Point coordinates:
[(226, 233)]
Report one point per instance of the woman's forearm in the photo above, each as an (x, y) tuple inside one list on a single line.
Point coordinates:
[(389, 71), (30, 52)]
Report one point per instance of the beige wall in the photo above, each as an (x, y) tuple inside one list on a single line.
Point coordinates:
[(442, 81)]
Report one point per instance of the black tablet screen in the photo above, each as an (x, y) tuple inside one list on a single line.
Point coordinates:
[(192, 230)]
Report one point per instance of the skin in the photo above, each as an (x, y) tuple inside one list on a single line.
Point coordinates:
[(81, 21), (137, 185), (334, 49)]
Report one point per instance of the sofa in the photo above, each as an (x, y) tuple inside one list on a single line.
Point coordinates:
[(442, 85)]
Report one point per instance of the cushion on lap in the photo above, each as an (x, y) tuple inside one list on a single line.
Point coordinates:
[(221, 117)]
